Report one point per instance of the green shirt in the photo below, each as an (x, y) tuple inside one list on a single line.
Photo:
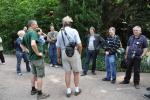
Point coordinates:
[(28, 37)]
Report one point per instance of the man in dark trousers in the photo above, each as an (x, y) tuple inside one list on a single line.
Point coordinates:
[(135, 51), (94, 42)]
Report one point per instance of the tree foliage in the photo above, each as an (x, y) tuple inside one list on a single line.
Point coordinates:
[(123, 14)]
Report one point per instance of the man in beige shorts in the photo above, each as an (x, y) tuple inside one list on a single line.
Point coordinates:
[(66, 35)]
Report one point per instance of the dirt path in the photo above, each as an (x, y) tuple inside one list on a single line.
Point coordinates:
[(13, 87)]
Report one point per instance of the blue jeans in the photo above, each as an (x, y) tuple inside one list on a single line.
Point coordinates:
[(19, 56), (53, 54), (110, 63), (90, 55)]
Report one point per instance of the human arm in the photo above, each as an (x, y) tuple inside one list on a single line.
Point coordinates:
[(79, 48), (144, 52), (48, 37), (126, 53), (24, 49), (59, 55), (35, 49)]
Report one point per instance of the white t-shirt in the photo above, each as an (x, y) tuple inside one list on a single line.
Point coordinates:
[(91, 43), (71, 33)]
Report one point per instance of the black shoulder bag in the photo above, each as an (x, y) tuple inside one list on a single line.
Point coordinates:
[(70, 48)]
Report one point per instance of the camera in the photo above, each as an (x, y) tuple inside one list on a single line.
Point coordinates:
[(38, 30), (70, 49), (133, 54), (72, 44)]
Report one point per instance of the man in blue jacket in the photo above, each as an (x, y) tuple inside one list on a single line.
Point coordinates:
[(136, 49)]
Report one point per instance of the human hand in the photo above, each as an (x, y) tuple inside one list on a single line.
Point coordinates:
[(59, 60), (40, 54), (107, 53)]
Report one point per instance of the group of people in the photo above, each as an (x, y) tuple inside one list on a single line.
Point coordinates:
[(29, 45)]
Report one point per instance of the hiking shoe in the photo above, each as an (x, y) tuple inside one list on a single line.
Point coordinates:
[(147, 95), (33, 92), (113, 81), (56, 66), (148, 89), (93, 73), (124, 82), (43, 96), (105, 79), (83, 74), (51, 65), (137, 86), (28, 70), (77, 93)]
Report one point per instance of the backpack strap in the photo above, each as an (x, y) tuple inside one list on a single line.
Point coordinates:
[(63, 37)]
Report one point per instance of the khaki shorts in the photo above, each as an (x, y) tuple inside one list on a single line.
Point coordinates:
[(71, 63), (38, 68)]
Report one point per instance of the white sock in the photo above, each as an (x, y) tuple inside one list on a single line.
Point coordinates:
[(68, 90), (77, 89)]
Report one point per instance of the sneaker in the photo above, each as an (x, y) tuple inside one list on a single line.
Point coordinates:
[(124, 82), (147, 95), (137, 86), (55, 66), (113, 81), (148, 89), (43, 96), (3, 63), (51, 65), (77, 93), (33, 92), (20, 74), (105, 79)]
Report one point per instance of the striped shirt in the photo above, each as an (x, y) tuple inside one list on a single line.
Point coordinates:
[(113, 43)]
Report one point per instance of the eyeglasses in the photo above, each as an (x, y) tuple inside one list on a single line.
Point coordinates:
[(135, 30)]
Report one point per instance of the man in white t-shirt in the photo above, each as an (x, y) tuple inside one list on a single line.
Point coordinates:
[(66, 35)]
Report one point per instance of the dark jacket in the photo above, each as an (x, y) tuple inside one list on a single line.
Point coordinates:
[(98, 42), (17, 45)]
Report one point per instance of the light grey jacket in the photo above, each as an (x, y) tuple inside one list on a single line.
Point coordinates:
[(52, 38)]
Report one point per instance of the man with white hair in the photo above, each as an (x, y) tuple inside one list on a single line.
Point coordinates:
[(21, 53), (73, 62), (136, 49)]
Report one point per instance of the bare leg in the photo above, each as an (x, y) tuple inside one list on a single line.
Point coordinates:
[(76, 78), (39, 83), (67, 79), (33, 80)]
